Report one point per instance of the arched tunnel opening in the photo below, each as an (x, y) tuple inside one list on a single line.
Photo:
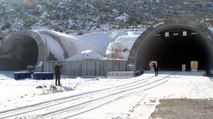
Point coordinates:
[(18, 53), (173, 47)]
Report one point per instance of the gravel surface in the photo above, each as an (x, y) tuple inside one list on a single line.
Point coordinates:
[(183, 109)]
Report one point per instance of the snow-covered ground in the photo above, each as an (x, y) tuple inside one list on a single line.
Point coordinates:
[(98, 98)]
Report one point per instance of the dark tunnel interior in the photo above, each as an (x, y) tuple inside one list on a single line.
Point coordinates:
[(17, 54), (172, 48)]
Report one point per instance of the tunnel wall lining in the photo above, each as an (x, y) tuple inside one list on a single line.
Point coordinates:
[(43, 52), (57, 38), (67, 43), (204, 32)]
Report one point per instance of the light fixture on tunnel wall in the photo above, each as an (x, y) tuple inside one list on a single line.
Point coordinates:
[(175, 34), (184, 33), (166, 34), (193, 33)]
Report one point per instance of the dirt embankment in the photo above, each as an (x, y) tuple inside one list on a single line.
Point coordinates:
[(184, 109)]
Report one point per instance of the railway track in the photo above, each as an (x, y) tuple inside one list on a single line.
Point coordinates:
[(81, 103)]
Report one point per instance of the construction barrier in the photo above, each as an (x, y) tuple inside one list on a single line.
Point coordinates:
[(120, 74), (86, 68), (183, 67), (22, 75), (43, 75)]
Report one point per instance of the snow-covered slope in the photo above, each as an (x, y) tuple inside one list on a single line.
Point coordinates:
[(96, 41), (81, 16), (211, 29)]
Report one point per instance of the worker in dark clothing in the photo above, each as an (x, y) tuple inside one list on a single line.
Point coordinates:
[(58, 74), (155, 67), (137, 72)]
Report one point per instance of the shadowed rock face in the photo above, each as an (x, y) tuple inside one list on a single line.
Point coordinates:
[(172, 44)]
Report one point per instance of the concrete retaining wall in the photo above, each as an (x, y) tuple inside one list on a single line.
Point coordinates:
[(87, 68)]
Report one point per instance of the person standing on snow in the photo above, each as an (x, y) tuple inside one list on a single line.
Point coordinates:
[(58, 74), (155, 67)]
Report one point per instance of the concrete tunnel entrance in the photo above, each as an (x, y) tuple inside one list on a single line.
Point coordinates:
[(174, 50), (172, 44), (32, 47), (18, 53)]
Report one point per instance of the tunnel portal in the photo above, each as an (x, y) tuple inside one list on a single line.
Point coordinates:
[(172, 44), (174, 49), (18, 53), (27, 52)]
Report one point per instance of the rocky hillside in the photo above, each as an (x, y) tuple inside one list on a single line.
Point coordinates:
[(85, 15)]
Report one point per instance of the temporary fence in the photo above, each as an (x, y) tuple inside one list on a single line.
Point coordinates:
[(86, 68)]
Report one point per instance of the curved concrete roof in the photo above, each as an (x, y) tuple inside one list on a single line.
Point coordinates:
[(29, 47), (140, 52)]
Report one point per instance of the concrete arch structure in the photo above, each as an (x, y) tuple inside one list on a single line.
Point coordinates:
[(29, 47), (173, 43)]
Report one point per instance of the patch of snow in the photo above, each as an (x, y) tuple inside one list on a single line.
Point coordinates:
[(71, 42), (85, 55), (70, 36), (158, 1), (211, 29), (127, 38), (124, 17), (91, 6), (96, 41), (115, 34), (115, 11), (156, 25)]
